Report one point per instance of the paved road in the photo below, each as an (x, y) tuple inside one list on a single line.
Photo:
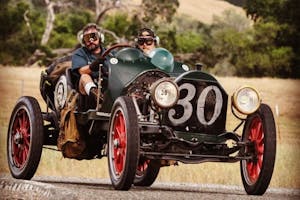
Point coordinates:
[(78, 188)]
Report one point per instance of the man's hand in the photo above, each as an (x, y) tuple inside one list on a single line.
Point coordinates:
[(94, 66)]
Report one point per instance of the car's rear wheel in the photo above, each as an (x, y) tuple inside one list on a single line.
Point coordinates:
[(123, 143), (25, 138), (147, 171), (260, 130)]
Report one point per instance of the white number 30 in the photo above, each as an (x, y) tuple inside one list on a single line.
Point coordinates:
[(188, 107)]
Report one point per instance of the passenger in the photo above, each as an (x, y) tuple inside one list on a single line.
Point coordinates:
[(85, 60), (146, 40)]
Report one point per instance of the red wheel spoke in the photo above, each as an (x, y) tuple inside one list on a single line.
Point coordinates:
[(15, 127), (259, 162), (250, 170), (18, 157), (22, 119), (19, 123), (123, 141), (20, 138), (249, 167), (143, 165), (260, 141), (256, 135), (121, 123), (251, 136), (117, 131), (27, 141), (24, 155), (255, 173), (119, 140), (16, 152), (260, 150), (26, 132)]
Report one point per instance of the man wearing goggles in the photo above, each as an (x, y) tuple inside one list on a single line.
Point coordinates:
[(85, 60), (146, 40)]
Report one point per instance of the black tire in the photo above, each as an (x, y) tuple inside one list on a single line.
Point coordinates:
[(123, 144), (257, 172), (147, 172), (25, 138)]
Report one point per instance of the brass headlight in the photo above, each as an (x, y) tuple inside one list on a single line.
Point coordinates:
[(164, 93), (246, 100)]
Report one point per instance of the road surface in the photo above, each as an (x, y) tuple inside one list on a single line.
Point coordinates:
[(81, 188)]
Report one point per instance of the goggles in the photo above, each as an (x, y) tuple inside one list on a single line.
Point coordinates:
[(149, 41), (90, 37)]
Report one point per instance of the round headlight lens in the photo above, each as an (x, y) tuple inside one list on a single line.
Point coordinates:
[(246, 100), (164, 93)]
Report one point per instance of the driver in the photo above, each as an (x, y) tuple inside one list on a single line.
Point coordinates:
[(85, 60), (146, 40)]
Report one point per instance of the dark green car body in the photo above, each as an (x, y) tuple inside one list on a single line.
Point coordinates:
[(129, 65)]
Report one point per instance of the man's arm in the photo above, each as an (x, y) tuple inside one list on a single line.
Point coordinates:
[(85, 70), (80, 63)]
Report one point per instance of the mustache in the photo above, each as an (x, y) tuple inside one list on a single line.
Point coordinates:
[(93, 47)]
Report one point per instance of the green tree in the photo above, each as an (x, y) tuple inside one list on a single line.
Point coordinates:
[(286, 13), (265, 58), (66, 26), (189, 42), (229, 38), (15, 41), (251, 52), (121, 24), (246, 50)]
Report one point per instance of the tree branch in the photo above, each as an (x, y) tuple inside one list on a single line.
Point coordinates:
[(118, 39), (28, 23), (51, 18), (100, 16)]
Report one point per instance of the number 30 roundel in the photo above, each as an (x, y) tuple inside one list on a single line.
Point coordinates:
[(187, 106)]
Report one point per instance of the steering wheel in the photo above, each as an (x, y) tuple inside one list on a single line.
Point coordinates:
[(107, 51)]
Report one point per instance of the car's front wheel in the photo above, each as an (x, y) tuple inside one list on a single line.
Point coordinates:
[(260, 130), (25, 138), (123, 143)]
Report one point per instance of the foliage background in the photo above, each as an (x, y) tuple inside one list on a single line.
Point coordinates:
[(263, 43)]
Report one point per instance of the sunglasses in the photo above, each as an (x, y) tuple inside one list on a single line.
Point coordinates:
[(90, 37), (148, 41)]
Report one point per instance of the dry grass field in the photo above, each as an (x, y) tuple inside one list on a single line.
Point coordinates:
[(203, 10), (285, 93)]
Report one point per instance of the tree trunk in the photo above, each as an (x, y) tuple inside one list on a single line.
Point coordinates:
[(49, 22), (98, 5)]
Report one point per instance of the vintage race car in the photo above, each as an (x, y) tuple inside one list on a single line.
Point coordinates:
[(155, 112)]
